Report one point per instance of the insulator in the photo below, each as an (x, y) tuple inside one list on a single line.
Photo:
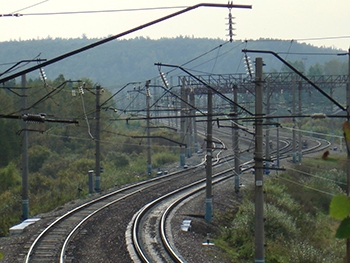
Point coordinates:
[(81, 90), (230, 27), (38, 118), (163, 77), (148, 93), (43, 75), (248, 66)]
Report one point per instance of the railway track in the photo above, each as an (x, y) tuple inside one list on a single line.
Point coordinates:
[(62, 239), (149, 229), (52, 244), (147, 232)]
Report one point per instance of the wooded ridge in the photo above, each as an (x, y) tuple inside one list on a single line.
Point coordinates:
[(122, 61)]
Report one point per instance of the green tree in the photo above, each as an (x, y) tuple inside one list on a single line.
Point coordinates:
[(315, 70), (335, 67), (37, 156), (9, 177), (298, 65), (340, 209)]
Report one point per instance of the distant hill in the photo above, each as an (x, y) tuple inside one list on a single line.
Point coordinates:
[(122, 61)]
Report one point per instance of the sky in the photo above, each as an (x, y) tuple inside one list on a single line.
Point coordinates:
[(322, 23)]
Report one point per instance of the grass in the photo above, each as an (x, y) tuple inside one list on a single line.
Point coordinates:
[(298, 228)]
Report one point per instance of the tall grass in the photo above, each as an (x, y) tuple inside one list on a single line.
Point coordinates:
[(297, 227)]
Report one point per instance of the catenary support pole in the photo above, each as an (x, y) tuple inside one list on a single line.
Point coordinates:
[(25, 181), (209, 168), (194, 125), (191, 121), (235, 138), (97, 141), (278, 145), (300, 142), (188, 126), (259, 194), (267, 133), (183, 122), (149, 156), (294, 159), (347, 260)]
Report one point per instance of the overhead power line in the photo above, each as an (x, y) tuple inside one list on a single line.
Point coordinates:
[(320, 38), (108, 39), (16, 14), (30, 6)]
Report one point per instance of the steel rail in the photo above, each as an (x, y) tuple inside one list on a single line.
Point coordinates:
[(65, 216)]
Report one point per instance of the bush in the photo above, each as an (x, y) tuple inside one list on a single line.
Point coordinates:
[(9, 177), (163, 157), (37, 156), (297, 228), (119, 160)]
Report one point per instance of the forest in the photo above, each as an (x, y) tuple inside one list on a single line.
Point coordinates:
[(121, 61)]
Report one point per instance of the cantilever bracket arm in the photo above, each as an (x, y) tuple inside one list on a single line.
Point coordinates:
[(207, 85), (299, 73), (160, 137)]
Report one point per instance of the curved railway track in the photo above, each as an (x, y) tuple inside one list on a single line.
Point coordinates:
[(52, 243), (58, 241), (150, 241)]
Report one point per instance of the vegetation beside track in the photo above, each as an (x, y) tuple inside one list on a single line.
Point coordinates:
[(298, 227)]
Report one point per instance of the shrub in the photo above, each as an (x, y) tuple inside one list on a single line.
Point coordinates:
[(37, 157), (163, 157)]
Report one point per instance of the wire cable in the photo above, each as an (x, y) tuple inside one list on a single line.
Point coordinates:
[(16, 14), (303, 185), (85, 115), (316, 176), (29, 6), (320, 38)]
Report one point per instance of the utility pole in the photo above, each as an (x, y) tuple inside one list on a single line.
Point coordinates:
[(299, 125), (189, 132), (193, 129), (25, 171), (347, 260), (267, 136), (149, 157), (293, 119), (310, 103), (278, 145), (183, 121), (209, 168), (235, 138), (97, 141), (193, 121), (259, 177)]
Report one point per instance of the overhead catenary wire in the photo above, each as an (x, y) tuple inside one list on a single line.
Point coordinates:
[(25, 8), (85, 115), (301, 39), (81, 12), (316, 176), (306, 186), (114, 37)]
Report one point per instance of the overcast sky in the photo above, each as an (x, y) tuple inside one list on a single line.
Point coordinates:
[(318, 22)]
